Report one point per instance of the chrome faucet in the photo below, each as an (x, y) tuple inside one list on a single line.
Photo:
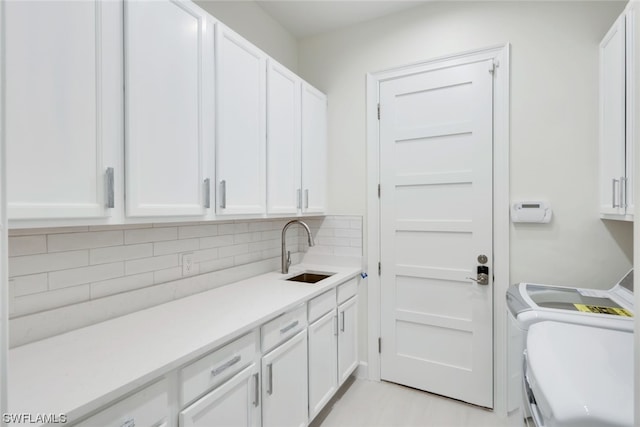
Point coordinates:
[(286, 255)]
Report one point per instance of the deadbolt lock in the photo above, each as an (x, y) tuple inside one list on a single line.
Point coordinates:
[(482, 259)]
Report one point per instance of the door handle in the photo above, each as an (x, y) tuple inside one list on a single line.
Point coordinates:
[(207, 193), (110, 200), (223, 194), (613, 193), (256, 390), (482, 277), (270, 379)]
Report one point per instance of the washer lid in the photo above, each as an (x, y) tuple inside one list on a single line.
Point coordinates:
[(581, 376)]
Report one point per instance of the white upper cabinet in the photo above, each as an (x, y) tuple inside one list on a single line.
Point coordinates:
[(314, 150), (240, 125), (63, 108), (169, 108), (283, 140), (616, 120)]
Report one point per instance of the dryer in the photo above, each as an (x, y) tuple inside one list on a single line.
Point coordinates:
[(579, 376), (531, 303)]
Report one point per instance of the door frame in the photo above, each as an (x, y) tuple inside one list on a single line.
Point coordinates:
[(501, 140)]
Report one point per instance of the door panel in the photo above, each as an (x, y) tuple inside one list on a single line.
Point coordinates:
[(284, 385), (436, 218), (314, 150), (240, 125), (347, 338), (323, 361), (612, 118), (283, 145), (169, 53), (63, 106)]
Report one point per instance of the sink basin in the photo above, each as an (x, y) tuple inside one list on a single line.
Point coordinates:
[(309, 277)]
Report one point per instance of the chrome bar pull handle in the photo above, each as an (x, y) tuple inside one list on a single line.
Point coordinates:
[(110, 199), (223, 194), (342, 321), (270, 379), (220, 369), (299, 198), (207, 193), (613, 193), (306, 198), (256, 389), (289, 327)]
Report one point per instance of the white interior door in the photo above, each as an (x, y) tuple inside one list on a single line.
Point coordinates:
[(436, 219)]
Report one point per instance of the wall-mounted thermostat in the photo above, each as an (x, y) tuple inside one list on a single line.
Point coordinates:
[(536, 212)]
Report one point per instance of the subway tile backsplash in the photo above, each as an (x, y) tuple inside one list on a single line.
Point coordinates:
[(65, 278)]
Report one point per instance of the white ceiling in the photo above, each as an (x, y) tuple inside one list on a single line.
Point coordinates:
[(304, 18)]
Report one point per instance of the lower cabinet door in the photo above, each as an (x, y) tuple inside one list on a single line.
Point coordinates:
[(323, 361), (235, 403), (347, 338), (284, 385)]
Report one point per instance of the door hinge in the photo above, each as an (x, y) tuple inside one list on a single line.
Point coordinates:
[(378, 111), (378, 191), (379, 345), (493, 66), (379, 269)]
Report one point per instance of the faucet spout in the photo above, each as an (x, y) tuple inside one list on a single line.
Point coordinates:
[(285, 258)]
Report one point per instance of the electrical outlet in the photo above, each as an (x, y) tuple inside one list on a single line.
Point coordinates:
[(188, 268)]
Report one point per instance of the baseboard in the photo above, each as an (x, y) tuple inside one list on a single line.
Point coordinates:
[(362, 371)]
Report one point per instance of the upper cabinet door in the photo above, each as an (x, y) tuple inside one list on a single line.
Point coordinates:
[(632, 79), (314, 150), (283, 140), (63, 108), (169, 107), (612, 120), (240, 125)]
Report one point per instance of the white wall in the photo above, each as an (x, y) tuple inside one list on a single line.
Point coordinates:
[(554, 112), (249, 20)]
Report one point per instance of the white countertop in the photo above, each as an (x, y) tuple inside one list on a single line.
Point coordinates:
[(82, 370)]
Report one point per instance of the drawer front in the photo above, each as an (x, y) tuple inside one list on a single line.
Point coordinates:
[(322, 304), (283, 327), (216, 367), (347, 290), (148, 407)]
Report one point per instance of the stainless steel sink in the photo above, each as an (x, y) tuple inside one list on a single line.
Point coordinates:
[(309, 277)]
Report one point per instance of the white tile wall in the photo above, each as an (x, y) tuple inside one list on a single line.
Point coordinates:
[(93, 262), (335, 235), (65, 278)]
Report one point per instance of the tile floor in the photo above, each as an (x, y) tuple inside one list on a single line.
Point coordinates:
[(363, 403)]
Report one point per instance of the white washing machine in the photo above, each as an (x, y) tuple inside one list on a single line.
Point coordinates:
[(531, 303), (579, 376)]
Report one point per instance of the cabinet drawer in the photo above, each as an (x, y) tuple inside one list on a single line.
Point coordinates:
[(322, 304), (148, 407), (283, 327), (216, 367), (347, 290)]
